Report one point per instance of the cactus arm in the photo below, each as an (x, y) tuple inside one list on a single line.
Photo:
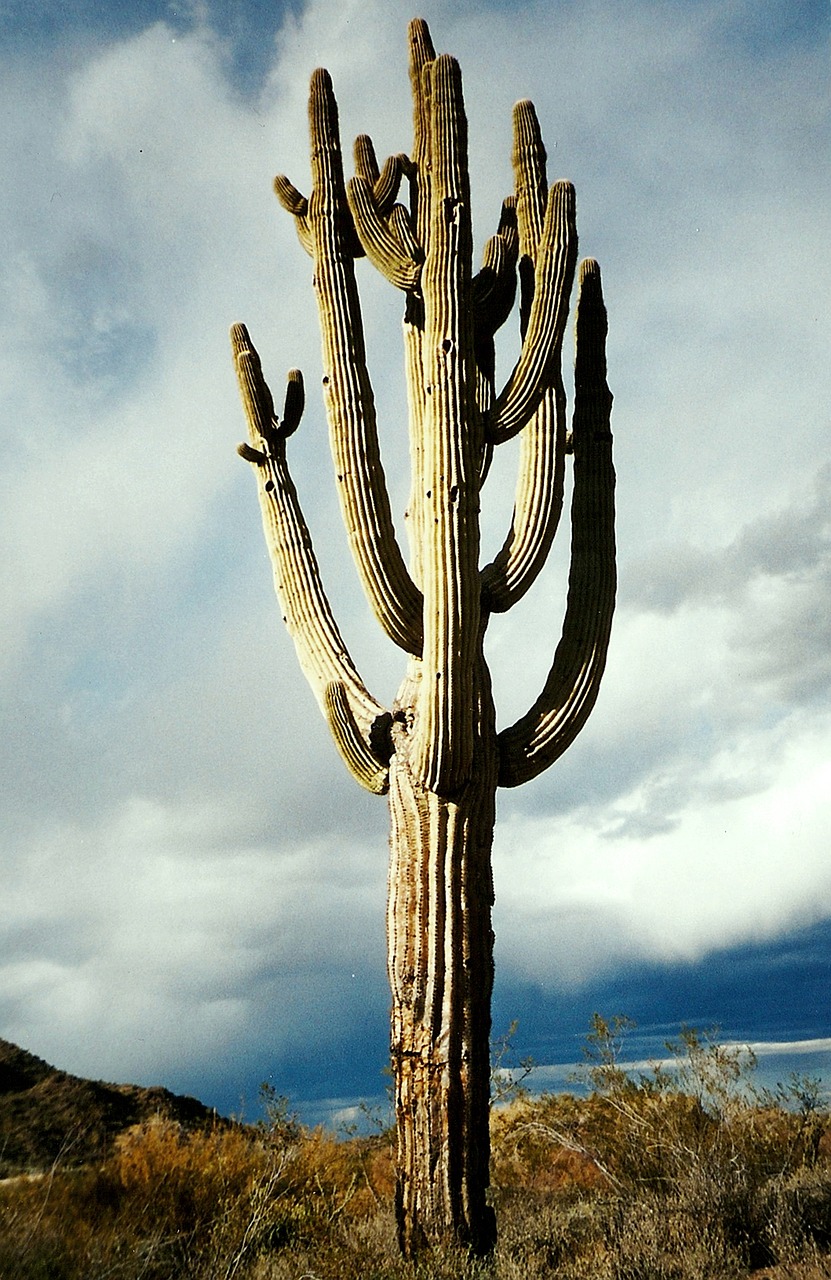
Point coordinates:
[(538, 500), (357, 752), (386, 186), (377, 215), (493, 294), (538, 503), (384, 227), (321, 650), (442, 743), (298, 206), (553, 277), (402, 228), (385, 182), (551, 725), (531, 185), (397, 257), (366, 162), (494, 287), (421, 52), (350, 404)]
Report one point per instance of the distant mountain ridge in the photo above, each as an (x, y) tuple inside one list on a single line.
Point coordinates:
[(48, 1115)]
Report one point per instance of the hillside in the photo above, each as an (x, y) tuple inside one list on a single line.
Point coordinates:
[(46, 1114)]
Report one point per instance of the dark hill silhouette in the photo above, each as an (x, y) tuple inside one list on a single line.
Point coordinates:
[(48, 1115)]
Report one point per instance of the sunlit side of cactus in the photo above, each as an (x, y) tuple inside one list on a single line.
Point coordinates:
[(436, 751)]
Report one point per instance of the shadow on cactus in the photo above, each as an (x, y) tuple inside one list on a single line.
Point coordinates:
[(436, 752)]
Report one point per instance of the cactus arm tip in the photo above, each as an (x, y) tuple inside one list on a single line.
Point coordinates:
[(294, 404), (295, 203), (420, 41), (252, 455), (292, 200), (265, 429), (254, 390)]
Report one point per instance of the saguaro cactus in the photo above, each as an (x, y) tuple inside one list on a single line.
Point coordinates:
[(436, 751)]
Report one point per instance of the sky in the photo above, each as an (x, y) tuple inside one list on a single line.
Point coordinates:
[(193, 887)]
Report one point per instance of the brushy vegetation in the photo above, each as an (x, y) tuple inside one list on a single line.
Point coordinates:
[(681, 1172)]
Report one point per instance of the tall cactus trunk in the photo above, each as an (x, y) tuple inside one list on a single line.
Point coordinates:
[(440, 959), (437, 751)]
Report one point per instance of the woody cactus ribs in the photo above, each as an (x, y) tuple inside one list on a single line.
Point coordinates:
[(436, 752)]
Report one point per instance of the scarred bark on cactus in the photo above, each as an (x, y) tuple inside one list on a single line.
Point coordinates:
[(437, 752)]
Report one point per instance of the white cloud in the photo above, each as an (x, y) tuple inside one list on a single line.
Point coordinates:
[(728, 852), (172, 917)]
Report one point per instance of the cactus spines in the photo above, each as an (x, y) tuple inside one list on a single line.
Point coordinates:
[(437, 752)]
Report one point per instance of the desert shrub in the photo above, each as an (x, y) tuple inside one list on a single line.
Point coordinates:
[(207, 1203), (167, 1203), (684, 1170)]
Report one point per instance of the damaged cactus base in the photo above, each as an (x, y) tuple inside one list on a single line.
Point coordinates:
[(436, 752)]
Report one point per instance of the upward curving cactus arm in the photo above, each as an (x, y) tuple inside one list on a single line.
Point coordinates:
[(553, 277), (538, 502), (494, 286), (493, 292), (321, 650), (382, 226), (551, 725), (350, 404), (386, 186), (398, 257), (361, 755), (295, 203)]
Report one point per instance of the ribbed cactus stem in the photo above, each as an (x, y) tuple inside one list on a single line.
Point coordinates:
[(437, 752), (440, 960), (442, 747)]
